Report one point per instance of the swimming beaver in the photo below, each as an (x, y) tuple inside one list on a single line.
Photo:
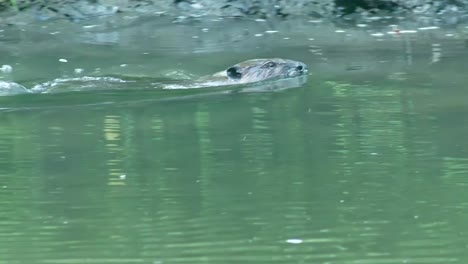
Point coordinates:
[(249, 71)]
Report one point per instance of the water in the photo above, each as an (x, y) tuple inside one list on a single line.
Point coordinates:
[(365, 163)]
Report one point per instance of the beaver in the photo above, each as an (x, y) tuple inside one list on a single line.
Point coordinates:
[(249, 71), (259, 70)]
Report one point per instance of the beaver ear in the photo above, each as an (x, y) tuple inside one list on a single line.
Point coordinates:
[(234, 73)]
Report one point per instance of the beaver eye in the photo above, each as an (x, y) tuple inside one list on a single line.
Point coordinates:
[(270, 64)]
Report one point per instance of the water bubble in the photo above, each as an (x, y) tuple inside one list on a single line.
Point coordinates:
[(408, 31), (427, 28), (197, 6), (294, 241), (90, 26)]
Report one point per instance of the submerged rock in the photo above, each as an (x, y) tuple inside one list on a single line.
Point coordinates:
[(29, 11), (415, 7)]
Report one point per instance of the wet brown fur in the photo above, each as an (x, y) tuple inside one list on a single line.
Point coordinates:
[(257, 70)]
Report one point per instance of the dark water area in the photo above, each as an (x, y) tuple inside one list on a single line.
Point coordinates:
[(364, 163)]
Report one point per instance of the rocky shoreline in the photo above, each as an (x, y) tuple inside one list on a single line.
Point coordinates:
[(30, 11)]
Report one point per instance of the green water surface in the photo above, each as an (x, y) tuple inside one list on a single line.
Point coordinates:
[(363, 164)]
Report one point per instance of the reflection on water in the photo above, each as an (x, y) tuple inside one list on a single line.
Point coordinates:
[(364, 163)]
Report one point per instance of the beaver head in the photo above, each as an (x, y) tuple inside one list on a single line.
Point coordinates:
[(263, 69)]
